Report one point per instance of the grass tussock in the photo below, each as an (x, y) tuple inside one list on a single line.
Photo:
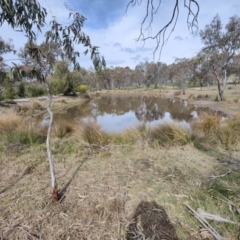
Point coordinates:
[(177, 93), (172, 135), (16, 129), (30, 107), (63, 128), (191, 96), (212, 131), (9, 120), (92, 133), (207, 124), (127, 137)]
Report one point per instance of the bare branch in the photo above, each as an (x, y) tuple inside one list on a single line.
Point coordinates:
[(160, 36)]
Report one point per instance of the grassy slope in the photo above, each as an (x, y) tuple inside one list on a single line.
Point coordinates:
[(105, 185)]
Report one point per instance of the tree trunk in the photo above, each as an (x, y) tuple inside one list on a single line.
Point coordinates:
[(55, 196), (183, 88), (221, 84), (220, 91)]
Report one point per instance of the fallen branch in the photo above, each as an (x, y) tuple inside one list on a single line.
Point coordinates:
[(222, 175), (205, 224), (206, 215)]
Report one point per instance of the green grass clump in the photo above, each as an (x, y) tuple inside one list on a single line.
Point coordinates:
[(14, 129), (93, 134), (172, 134)]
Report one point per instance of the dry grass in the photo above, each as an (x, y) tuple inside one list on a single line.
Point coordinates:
[(92, 133), (15, 129), (62, 128), (177, 93), (107, 192), (172, 135), (207, 124), (9, 120), (130, 188)]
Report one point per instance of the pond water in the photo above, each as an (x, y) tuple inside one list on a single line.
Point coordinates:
[(117, 113)]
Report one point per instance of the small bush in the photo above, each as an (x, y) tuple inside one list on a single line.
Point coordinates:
[(21, 90), (82, 89), (59, 86), (36, 91)]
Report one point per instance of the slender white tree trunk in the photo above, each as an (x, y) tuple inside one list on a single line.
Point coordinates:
[(55, 196)]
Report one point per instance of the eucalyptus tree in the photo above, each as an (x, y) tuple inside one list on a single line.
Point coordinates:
[(138, 76), (66, 36), (5, 47), (24, 15), (221, 47), (182, 72), (235, 68)]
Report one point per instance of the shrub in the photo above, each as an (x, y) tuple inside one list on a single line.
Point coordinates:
[(36, 91), (82, 88), (9, 92), (21, 90), (58, 86)]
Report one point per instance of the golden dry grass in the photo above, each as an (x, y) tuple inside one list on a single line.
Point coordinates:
[(9, 120), (109, 191), (172, 134)]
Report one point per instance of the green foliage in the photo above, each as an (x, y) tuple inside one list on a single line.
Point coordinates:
[(9, 92), (172, 135), (58, 86), (37, 91), (23, 15), (82, 89), (21, 90)]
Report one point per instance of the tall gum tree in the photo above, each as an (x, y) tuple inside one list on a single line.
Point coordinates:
[(220, 47)]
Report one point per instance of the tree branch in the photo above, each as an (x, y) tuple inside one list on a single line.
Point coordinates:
[(160, 36)]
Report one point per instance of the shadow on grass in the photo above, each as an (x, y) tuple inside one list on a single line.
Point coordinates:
[(150, 221), (27, 171), (63, 191)]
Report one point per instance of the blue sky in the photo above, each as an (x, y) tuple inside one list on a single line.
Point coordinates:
[(115, 32)]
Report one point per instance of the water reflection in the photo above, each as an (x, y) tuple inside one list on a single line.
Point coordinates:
[(117, 113)]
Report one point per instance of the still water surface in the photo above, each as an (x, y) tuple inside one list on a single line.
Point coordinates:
[(118, 113)]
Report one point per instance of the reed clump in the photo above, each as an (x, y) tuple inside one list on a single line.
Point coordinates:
[(63, 128), (92, 133), (16, 129), (208, 123), (172, 134)]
